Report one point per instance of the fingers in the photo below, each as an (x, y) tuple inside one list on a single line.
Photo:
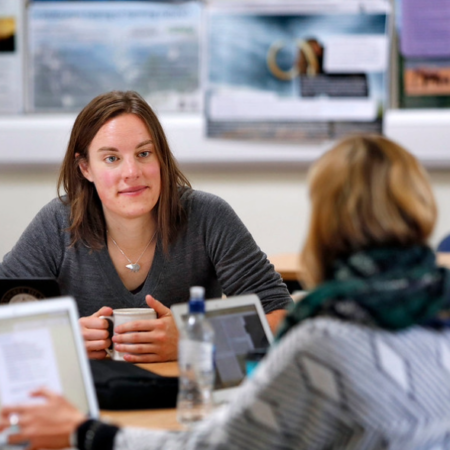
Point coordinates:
[(45, 393), (161, 341), (14, 439), (92, 334), (164, 325), (92, 322), (44, 425), (96, 347), (160, 309), (164, 314), (100, 354), (137, 349), (138, 325), (4, 423), (144, 358), (103, 311), (95, 333), (142, 340), (132, 338), (8, 410), (92, 346)]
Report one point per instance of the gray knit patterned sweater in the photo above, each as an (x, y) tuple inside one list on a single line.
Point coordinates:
[(331, 385), (214, 250)]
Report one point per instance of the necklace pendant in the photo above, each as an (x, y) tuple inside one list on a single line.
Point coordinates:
[(133, 267)]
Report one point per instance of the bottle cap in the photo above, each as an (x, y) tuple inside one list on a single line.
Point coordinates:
[(197, 300), (197, 292)]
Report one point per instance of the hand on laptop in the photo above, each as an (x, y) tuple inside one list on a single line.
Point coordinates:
[(45, 425), (155, 340), (95, 333)]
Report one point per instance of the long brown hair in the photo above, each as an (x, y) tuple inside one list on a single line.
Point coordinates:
[(365, 192), (87, 222)]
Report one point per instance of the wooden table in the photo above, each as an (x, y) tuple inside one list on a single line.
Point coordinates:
[(288, 266), (161, 419), (443, 259)]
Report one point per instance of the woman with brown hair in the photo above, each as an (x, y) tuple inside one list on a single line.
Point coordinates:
[(130, 230), (362, 362)]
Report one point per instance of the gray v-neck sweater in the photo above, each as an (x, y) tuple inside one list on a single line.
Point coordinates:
[(214, 250)]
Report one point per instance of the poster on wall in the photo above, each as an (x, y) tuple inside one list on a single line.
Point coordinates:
[(11, 56), (424, 53), (314, 70), (78, 50)]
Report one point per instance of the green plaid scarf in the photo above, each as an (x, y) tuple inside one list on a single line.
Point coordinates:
[(391, 288)]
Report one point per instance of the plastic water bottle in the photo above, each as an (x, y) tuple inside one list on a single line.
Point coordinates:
[(196, 362)]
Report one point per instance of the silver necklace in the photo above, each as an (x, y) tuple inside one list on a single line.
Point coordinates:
[(134, 267)]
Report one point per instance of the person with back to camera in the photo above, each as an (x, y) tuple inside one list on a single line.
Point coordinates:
[(362, 362), (131, 232)]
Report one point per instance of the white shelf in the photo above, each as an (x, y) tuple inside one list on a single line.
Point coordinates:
[(34, 139), (42, 139), (424, 132)]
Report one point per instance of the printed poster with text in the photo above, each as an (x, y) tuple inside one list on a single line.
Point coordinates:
[(80, 50), (313, 73)]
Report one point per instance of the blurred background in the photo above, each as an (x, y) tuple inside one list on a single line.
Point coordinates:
[(227, 80)]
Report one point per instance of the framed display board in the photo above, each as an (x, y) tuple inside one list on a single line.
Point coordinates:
[(296, 71)]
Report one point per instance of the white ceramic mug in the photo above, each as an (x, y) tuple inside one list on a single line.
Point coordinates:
[(124, 315)]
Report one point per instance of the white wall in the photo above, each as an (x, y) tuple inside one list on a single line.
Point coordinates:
[(272, 203)]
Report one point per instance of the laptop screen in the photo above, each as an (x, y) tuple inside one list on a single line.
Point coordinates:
[(40, 349), (238, 330)]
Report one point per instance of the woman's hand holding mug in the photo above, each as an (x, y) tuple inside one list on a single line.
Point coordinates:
[(147, 341), (136, 319), (95, 333), (137, 335)]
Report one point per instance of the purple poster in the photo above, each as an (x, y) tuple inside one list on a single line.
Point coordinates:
[(425, 28)]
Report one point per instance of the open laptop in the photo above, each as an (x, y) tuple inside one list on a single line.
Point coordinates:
[(41, 346), (240, 326), (20, 290)]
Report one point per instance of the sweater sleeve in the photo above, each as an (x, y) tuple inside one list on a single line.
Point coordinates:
[(40, 249), (276, 408), (241, 266)]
